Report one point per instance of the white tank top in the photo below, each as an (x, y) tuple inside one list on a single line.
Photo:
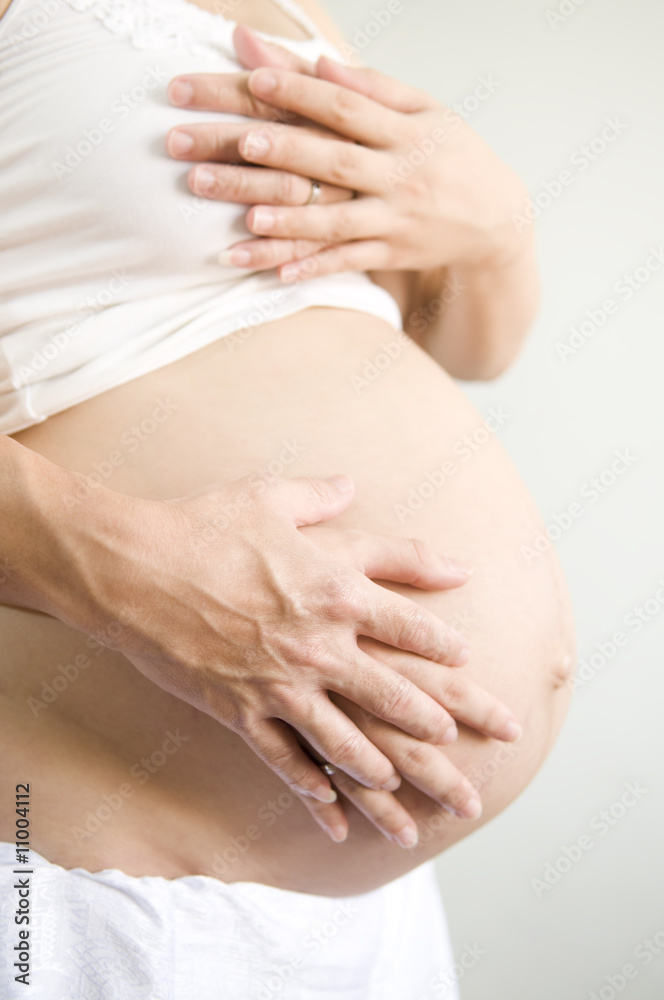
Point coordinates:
[(108, 264)]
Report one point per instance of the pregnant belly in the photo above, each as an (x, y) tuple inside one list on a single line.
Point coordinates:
[(125, 775)]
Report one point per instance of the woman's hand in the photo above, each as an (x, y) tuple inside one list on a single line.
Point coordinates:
[(429, 192), (424, 765)]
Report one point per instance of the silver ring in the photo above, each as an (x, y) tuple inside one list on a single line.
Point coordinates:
[(315, 193), (327, 769)]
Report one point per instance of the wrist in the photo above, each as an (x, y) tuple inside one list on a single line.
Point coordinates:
[(55, 519)]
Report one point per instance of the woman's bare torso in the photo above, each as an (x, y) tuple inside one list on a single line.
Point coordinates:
[(125, 775)]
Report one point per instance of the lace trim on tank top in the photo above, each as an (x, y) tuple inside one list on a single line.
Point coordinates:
[(179, 24)]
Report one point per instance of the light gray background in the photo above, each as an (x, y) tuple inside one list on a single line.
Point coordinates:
[(558, 84)]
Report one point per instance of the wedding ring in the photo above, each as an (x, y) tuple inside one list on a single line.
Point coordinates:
[(327, 769), (315, 193)]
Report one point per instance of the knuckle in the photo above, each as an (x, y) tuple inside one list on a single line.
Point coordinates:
[(454, 694), (415, 759), (345, 750), (413, 627), (397, 700), (344, 104), (343, 165), (342, 598), (338, 227), (387, 817), (286, 188), (419, 551)]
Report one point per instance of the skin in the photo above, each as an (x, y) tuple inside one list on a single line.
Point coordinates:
[(94, 734), (515, 616)]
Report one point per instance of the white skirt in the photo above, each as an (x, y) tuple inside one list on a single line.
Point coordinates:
[(110, 936)]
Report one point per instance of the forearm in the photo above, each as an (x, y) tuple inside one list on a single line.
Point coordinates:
[(473, 320), (45, 534)]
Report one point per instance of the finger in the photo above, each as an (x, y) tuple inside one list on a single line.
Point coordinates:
[(424, 766), (253, 52), (251, 185), (377, 86), (330, 819), (464, 699), (390, 696), (360, 255), (259, 255), (337, 740), (406, 560), (380, 808), (226, 92), (345, 164), (400, 622), (308, 500), (218, 141), (340, 109), (341, 222), (276, 745)]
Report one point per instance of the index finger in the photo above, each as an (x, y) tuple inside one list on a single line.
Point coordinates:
[(342, 110), (227, 92)]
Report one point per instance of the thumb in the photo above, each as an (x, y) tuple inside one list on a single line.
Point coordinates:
[(254, 52), (307, 501)]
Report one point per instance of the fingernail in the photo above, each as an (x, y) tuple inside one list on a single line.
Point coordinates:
[(455, 567), (180, 92), (234, 258), (290, 272), (344, 483), (262, 81), (338, 833), (512, 730), (179, 143), (255, 145), (472, 809), (407, 837), (204, 179), (263, 220), (322, 794), (462, 657), (391, 785), (449, 735)]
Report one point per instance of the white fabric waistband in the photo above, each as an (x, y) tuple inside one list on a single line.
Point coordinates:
[(110, 936)]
